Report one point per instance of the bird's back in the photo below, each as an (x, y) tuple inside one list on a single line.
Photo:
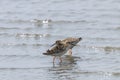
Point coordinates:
[(71, 40), (58, 50)]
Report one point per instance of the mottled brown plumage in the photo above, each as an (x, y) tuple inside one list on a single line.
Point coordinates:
[(60, 47), (72, 41), (58, 50)]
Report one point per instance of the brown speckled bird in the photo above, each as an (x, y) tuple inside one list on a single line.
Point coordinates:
[(72, 41), (58, 50)]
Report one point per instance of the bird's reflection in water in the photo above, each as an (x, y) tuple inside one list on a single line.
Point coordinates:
[(67, 61), (64, 70)]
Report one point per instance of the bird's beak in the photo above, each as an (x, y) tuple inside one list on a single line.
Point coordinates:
[(53, 44)]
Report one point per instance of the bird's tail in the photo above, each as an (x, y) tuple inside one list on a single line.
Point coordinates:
[(45, 53)]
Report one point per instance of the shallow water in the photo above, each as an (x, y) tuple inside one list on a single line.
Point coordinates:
[(24, 37)]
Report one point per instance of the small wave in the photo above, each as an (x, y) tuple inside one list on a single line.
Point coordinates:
[(43, 21), (6, 28), (15, 21), (56, 21), (116, 73), (102, 38), (27, 35), (20, 68), (20, 56), (105, 48), (22, 45), (6, 34), (118, 28), (19, 21), (110, 73), (13, 44), (15, 56), (99, 73), (67, 21), (46, 21), (110, 48)]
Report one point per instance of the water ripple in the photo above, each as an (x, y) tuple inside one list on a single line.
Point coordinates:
[(6, 28), (22, 44), (21, 68), (27, 35), (102, 48), (43, 21)]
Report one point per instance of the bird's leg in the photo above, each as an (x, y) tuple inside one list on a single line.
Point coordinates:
[(54, 59), (70, 51), (60, 59)]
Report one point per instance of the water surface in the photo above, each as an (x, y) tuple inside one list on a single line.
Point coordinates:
[(24, 37)]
